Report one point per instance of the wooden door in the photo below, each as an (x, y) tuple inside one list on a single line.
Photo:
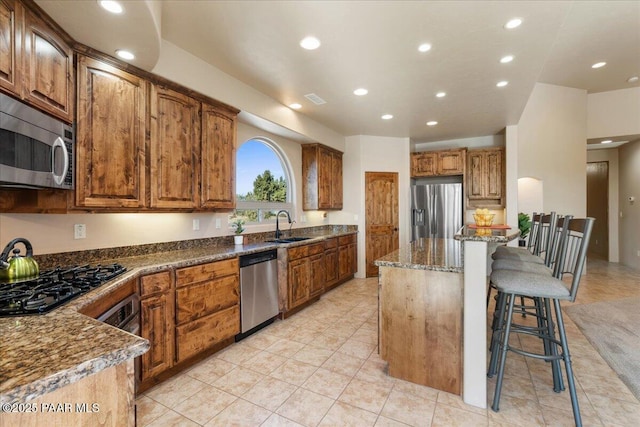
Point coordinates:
[(325, 168), (110, 148), (48, 69), (318, 274), (331, 266), (451, 162), (424, 164), (218, 161), (598, 207), (381, 222), (156, 326), (336, 180), (174, 149), (10, 47)]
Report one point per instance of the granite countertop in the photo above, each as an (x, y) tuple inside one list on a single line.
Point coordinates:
[(426, 254), (486, 234), (39, 354)]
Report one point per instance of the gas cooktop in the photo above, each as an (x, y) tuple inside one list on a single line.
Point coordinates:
[(53, 288)]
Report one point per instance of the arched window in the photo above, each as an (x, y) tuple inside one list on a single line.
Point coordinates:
[(263, 181)]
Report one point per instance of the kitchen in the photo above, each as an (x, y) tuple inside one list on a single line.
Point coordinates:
[(361, 153)]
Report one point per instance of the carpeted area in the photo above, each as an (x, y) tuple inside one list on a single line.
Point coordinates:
[(613, 328)]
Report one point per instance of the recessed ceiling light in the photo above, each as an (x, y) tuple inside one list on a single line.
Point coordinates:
[(432, 123), (295, 106), (506, 59), (360, 91), (441, 94), (502, 83), (633, 79), (111, 6), (125, 54), (513, 23), (606, 141), (310, 43), (424, 47), (387, 116), (599, 64)]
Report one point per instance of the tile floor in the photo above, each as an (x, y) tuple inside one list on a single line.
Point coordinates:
[(320, 367)]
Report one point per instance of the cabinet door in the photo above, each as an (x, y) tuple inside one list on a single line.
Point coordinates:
[(475, 178), (317, 277), (48, 67), (110, 148), (336, 180), (157, 327), (344, 262), (424, 164), (451, 162), (325, 168), (11, 20), (353, 258), (493, 175), (174, 149), (218, 159), (331, 266), (299, 274)]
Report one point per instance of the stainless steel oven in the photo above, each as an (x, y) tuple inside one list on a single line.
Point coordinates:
[(124, 315), (36, 150)]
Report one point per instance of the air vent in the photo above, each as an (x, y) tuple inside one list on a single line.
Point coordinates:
[(315, 99)]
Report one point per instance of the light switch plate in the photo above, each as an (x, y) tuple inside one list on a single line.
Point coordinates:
[(196, 224), (79, 231), (217, 222)]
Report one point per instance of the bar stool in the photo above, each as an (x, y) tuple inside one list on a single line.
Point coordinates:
[(513, 284)]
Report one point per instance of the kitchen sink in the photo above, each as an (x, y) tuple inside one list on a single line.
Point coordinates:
[(289, 239)]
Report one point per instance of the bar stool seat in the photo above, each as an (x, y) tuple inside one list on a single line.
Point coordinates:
[(525, 267), (530, 284)]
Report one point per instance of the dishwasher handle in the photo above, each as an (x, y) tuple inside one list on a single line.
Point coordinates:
[(257, 258)]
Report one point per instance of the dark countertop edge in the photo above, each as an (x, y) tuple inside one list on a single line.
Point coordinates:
[(136, 267), (409, 266)]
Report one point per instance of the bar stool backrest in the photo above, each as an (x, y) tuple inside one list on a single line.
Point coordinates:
[(545, 240), (534, 233), (573, 252)]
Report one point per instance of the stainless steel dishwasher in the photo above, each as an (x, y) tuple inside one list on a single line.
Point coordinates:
[(258, 291)]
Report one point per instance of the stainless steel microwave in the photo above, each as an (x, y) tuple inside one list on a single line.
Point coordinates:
[(36, 150)]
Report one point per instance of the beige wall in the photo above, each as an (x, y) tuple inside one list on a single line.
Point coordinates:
[(610, 156), (613, 113), (629, 163), (54, 233), (552, 134), (365, 153)]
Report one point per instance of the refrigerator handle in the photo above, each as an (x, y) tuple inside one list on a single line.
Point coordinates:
[(434, 214)]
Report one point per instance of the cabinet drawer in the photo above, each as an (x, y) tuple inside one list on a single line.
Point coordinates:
[(346, 240), (196, 336), (202, 272), (155, 283), (298, 252), (316, 248), (200, 299), (331, 243)]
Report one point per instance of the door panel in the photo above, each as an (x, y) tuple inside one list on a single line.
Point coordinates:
[(381, 222), (597, 207)]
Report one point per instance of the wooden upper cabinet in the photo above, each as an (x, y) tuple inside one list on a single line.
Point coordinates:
[(11, 23), (424, 164), (48, 69), (485, 178), (438, 163), (110, 148), (321, 177), (218, 159), (174, 149)]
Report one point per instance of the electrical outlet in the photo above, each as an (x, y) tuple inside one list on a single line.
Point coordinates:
[(218, 225), (303, 218), (638, 253), (79, 231), (196, 224)]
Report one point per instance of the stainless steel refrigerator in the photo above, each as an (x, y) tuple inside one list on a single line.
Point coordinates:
[(436, 210)]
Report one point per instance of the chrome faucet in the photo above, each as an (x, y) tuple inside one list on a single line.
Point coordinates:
[(278, 232)]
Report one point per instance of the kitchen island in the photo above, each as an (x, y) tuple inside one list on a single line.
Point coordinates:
[(432, 311)]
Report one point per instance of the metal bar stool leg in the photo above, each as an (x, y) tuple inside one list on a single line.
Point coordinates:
[(504, 347), (567, 363), (558, 382), (496, 335)]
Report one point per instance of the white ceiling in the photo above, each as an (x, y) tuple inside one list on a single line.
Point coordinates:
[(373, 44)]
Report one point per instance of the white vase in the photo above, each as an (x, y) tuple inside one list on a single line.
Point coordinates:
[(237, 239)]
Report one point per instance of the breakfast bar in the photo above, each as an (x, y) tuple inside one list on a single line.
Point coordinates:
[(432, 305)]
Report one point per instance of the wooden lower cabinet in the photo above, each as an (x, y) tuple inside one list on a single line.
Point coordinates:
[(317, 279), (347, 257), (157, 323), (199, 335), (306, 273), (207, 306), (299, 275), (330, 262)]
